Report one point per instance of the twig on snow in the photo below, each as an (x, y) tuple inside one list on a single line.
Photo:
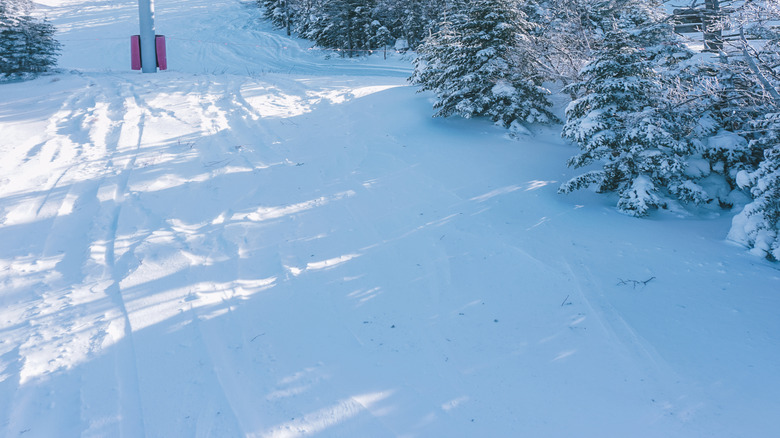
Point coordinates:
[(634, 283)]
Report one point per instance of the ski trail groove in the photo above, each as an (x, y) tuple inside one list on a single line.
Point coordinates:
[(122, 137), (128, 379)]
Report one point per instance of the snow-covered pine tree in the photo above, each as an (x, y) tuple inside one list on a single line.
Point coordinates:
[(378, 35), (432, 65), (344, 24), (27, 45), (11, 35), (758, 225), (624, 122), (279, 13), (370, 23), (10, 10), (411, 20), (732, 89), (474, 65), (41, 49)]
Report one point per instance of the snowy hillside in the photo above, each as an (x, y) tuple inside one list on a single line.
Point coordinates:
[(270, 241)]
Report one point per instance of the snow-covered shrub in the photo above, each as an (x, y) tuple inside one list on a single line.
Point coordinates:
[(758, 225)]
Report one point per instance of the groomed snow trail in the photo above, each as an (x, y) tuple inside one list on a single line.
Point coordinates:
[(267, 241)]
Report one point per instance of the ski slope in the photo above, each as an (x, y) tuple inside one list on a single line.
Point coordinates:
[(270, 241)]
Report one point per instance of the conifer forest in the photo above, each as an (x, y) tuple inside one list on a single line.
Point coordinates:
[(676, 102)]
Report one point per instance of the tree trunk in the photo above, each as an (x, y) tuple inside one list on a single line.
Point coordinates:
[(713, 38), (287, 18)]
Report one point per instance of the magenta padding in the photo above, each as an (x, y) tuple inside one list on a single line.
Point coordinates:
[(162, 60), (135, 52)]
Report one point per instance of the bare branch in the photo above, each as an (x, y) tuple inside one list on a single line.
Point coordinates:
[(634, 283)]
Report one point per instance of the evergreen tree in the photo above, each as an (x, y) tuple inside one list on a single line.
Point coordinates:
[(434, 64), (378, 35), (758, 225), (371, 23), (279, 13), (411, 20), (624, 121), (735, 88), (27, 45), (475, 65), (347, 25)]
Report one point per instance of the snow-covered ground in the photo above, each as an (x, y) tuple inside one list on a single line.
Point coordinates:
[(267, 241)]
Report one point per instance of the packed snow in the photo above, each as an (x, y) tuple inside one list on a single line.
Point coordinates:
[(272, 241)]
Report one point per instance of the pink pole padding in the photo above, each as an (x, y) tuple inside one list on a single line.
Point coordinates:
[(135, 52), (162, 60)]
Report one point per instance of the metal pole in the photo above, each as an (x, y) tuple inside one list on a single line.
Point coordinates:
[(148, 51)]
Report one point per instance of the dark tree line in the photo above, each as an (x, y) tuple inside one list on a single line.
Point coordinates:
[(660, 120), (27, 44), (356, 26)]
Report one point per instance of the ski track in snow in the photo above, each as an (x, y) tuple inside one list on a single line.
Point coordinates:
[(269, 242)]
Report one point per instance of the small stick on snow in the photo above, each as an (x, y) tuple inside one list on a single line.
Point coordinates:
[(634, 283)]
